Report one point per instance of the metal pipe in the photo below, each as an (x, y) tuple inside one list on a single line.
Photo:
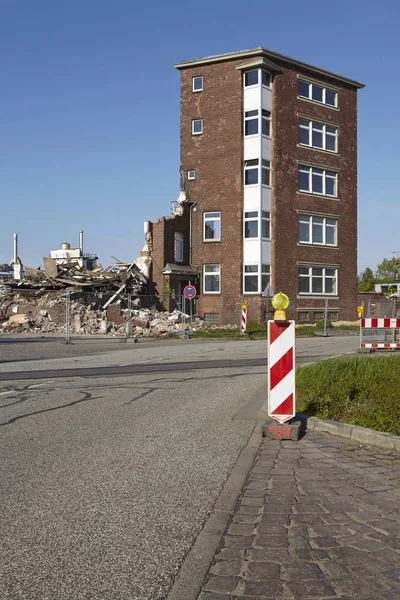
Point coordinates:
[(81, 241)]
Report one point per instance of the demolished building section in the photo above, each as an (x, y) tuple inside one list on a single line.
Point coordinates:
[(38, 302), (166, 256), (111, 300)]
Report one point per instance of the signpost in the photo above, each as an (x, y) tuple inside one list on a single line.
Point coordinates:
[(189, 292), (243, 324), (281, 388), (281, 372)]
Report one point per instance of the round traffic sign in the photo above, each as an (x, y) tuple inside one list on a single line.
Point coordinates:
[(189, 291)]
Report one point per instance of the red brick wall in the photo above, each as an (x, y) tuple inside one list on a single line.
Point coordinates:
[(217, 157), (287, 200), (162, 252)]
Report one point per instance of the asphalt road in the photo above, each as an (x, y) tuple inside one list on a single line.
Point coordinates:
[(106, 481)]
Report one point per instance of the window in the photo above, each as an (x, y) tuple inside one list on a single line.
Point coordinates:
[(265, 276), (197, 126), (178, 246), (266, 123), (317, 280), (266, 172), (317, 93), (304, 317), (265, 225), (212, 279), (266, 78), (251, 224), (251, 278), (212, 226), (251, 78), (191, 175), (331, 315), (251, 172), (197, 84), (317, 230), (211, 317), (251, 122), (317, 181), (317, 135)]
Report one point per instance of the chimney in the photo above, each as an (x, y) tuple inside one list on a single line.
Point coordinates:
[(15, 248), (81, 241)]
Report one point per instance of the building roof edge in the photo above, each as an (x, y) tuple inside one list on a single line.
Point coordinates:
[(270, 54)]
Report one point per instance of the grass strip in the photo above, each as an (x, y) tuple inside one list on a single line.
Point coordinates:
[(362, 390)]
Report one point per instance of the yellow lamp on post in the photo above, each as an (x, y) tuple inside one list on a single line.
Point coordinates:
[(280, 302)]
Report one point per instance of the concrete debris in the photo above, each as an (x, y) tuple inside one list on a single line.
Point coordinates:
[(69, 276), (46, 313)]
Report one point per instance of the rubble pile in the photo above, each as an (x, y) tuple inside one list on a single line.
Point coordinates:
[(70, 276), (46, 313)]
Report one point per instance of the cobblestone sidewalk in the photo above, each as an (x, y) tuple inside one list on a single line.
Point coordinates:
[(318, 518)]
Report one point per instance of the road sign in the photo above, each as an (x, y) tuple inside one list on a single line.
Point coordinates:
[(189, 292), (281, 380), (244, 317)]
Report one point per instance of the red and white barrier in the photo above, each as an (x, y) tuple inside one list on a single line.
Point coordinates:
[(390, 325), (281, 375), (243, 324)]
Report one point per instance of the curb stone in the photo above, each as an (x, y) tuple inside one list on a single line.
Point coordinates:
[(356, 433)]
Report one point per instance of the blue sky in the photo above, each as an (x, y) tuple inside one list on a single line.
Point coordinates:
[(89, 119)]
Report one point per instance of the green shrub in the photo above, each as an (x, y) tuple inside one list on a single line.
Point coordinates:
[(358, 390), (320, 324)]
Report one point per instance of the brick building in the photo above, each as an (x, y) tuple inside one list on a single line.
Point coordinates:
[(269, 188)]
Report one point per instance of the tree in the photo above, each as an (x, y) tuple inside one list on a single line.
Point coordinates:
[(366, 281), (389, 269)]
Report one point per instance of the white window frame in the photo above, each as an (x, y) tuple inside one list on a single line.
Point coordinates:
[(251, 115), (266, 118), (310, 220), (249, 165), (252, 274), (261, 119), (319, 127), (251, 219), (266, 218), (263, 171), (266, 172), (326, 174), (313, 276), (324, 89), (251, 84), (178, 246), (193, 126), (269, 76), (191, 175), (213, 217), (193, 86), (265, 276), (216, 273)]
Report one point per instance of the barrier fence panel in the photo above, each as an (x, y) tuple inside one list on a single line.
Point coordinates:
[(380, 333)]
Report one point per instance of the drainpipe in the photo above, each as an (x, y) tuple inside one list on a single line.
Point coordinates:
[(193, 204)]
